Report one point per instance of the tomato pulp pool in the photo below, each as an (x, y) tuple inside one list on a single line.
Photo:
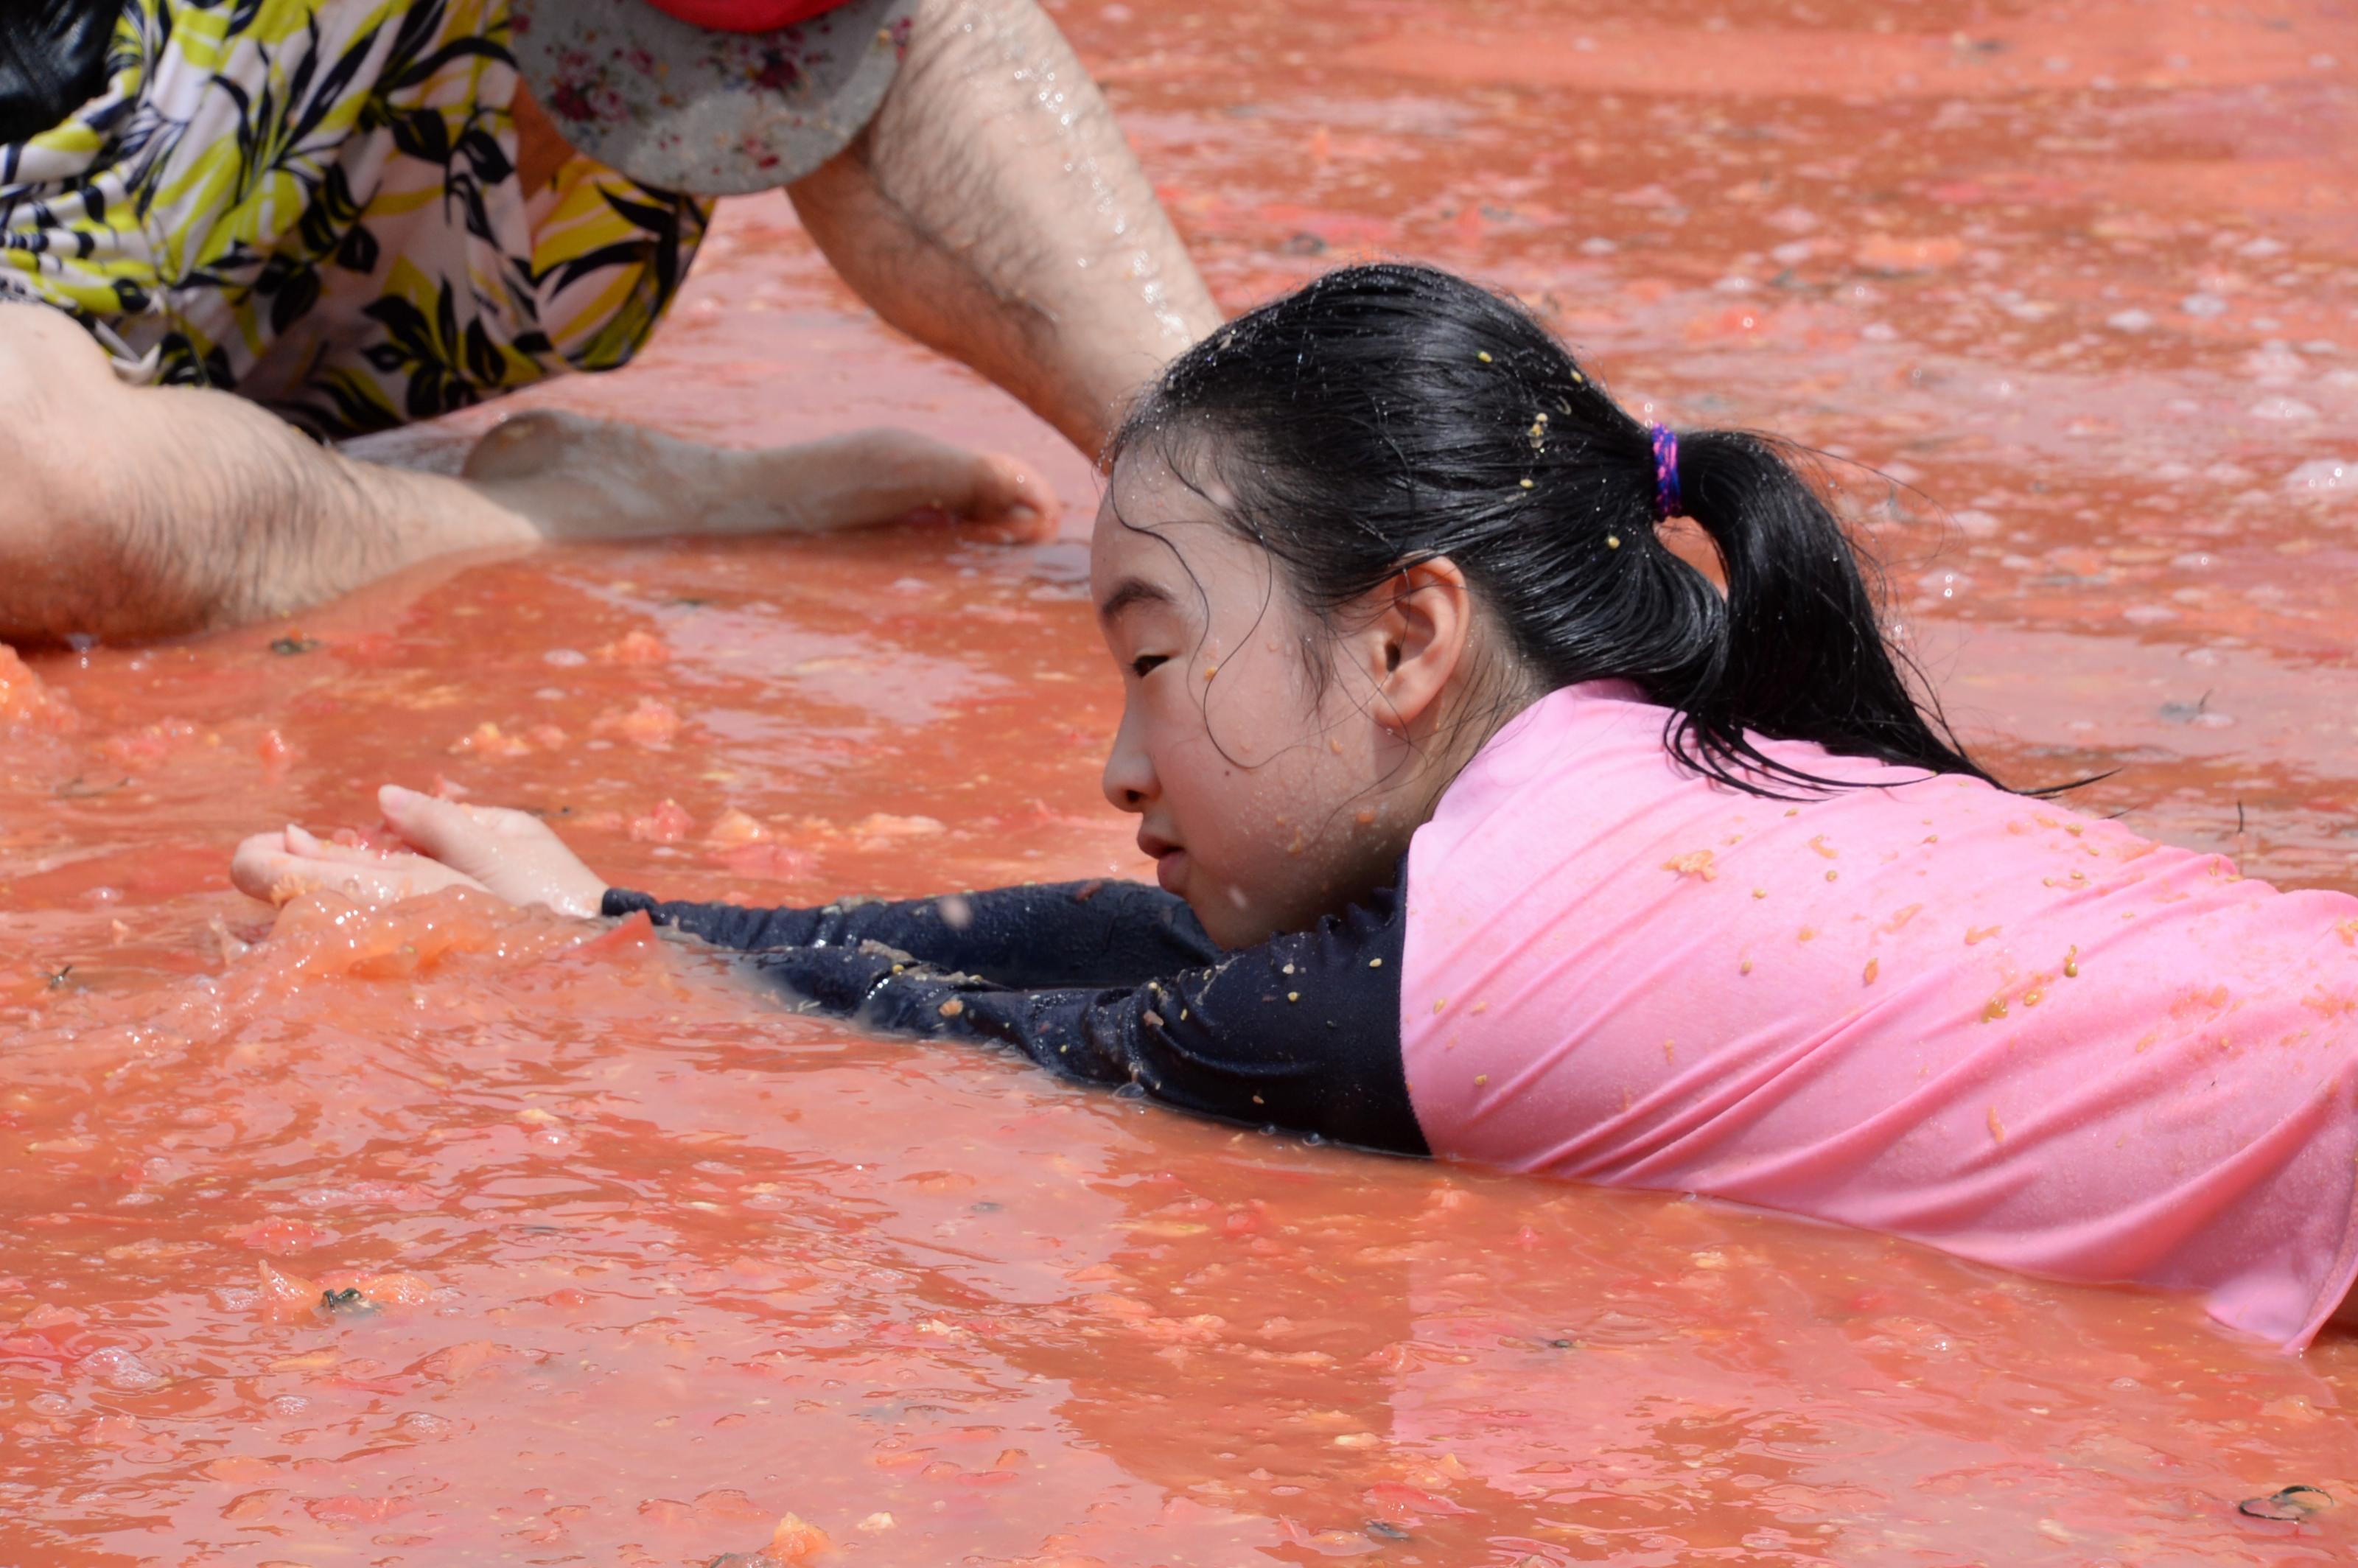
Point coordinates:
[(646, 1264)]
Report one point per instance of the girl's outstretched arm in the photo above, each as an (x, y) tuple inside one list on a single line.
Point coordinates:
[(1300, 1031), (1065, 933), (1075, 934), (1101, 982)]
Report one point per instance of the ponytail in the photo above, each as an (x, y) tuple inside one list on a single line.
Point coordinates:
[(1385, 414), (1801, 656)]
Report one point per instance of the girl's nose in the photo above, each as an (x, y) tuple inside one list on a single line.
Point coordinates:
[(1129, 778)]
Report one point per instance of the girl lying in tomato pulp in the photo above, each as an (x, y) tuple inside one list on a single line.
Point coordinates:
[(1489, 826)]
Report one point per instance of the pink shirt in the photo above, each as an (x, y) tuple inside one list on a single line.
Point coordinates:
[(1937, 1009)]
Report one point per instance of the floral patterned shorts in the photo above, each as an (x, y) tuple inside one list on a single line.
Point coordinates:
[(314, 203)]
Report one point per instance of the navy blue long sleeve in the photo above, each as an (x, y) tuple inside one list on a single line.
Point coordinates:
[(1067, 933), (1111, 983)]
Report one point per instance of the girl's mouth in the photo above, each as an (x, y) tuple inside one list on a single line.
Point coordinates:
[(1171, 869)]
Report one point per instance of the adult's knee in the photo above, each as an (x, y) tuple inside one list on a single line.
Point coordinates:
[(56, 393), (59, 402)]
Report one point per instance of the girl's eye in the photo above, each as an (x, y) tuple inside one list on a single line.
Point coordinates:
[(1146, 662)]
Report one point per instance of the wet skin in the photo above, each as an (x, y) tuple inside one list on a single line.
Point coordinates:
[(1277, 761)]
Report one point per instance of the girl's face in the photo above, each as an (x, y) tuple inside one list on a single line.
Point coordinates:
[(1267, 756)]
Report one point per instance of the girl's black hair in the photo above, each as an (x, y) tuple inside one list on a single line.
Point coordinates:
[(1389, 413)]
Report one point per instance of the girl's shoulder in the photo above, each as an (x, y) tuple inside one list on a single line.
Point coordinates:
[(1599, 752), (1578, 817)]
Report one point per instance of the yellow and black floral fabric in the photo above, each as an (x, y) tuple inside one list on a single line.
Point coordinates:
[(314, 203)]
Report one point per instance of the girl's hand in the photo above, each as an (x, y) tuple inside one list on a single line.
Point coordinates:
[(509, 854), (275, 867), (513, 854)]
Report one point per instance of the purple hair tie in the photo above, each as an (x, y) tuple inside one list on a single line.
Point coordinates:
[(1666, 502)]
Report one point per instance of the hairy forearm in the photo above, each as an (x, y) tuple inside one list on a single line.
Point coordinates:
[(992, 211)]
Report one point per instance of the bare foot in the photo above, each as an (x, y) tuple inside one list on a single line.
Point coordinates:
[(594, 479)]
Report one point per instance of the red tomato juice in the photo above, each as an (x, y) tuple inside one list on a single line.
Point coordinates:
[(656, 1262)]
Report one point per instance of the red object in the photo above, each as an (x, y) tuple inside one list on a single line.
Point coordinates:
[(743, 15)]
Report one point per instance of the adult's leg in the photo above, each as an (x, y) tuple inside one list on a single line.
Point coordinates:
[(130, 511), (143, 512), (992, 211)]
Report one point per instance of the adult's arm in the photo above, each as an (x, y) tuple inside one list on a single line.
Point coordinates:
[(992, 211), (1300, 1031)]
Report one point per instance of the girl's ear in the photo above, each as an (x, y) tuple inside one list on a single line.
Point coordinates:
[(1412, 638)]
